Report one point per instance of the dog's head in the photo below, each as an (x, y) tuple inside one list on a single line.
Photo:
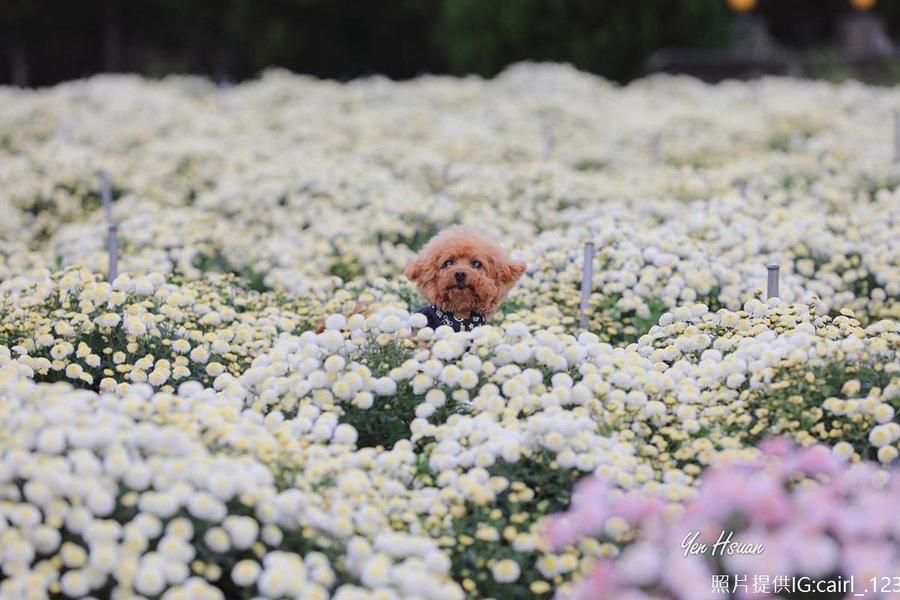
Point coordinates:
[(462, 272)]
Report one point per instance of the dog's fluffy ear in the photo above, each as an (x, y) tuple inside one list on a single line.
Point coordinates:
[(511, 271), (414, 270), (421, 271)]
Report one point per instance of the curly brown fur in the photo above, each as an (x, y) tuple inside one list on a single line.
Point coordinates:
[(461, 272)]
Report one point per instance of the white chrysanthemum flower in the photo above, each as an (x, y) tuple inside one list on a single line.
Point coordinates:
[(46, 539), (417, 320), (206, 507), (390, 324), (108, 319), (75, 583), (336, 322), (375, 571), (881, 435), (104, 557), (887, 454), (135, 326), (100, 502), (506, 571), (51, 441), (199, 354), (445, 349), (245, 572), (364, 400), (217, 540), (242, 530), (884, 413), (436, 397), (158, 377), (843, 450), (344, 434), (334, 363), (150, 579), (330, 340)]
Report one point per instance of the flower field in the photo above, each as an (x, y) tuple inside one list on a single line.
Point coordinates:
[(183, 432)]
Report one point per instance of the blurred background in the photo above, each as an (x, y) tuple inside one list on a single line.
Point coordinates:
[(48, 41)]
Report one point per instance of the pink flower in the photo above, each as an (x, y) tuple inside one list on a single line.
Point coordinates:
[(688, 577), (813, 460), (640, 563), (599, 585), (592, 516), (773, 561), (765, 501), (815, 507), (779, 446), (842, 519), (635, 507), (562, 530), (588, 490), (868, 559), (815, 555), (719, 492)]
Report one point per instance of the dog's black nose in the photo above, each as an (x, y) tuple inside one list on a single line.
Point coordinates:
[(460, 276)]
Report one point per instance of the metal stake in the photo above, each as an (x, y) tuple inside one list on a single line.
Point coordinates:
[(587, 276), (896, 135), (772, 288), (549, 137), (656, 147), (112, 228), (113, 251), (106, 196)]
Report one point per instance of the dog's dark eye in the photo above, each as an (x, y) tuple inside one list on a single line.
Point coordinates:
[(447, 263), (476, 264)]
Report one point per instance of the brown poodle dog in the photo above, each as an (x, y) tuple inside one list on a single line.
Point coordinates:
[(464, 276)]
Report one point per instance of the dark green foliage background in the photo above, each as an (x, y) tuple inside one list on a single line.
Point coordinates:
[(613, 38), (231, 40), (236, 39)]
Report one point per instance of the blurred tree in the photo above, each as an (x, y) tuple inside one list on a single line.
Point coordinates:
[(803, 23), (46, 41), (13, 23), (112, 35), (610, 37), (49, 41), (890, 10), (238, 38)]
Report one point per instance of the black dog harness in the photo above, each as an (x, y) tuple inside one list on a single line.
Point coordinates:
[(437, 317)]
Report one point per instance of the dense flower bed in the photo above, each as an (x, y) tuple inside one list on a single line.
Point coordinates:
[(184, 432), (765, 517)]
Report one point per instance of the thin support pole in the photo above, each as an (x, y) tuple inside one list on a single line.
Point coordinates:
[(549, 136), (112, 239), (113, 251), (656, 147), (772, 287), (587, 277), (896, 135), (106, 196)]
